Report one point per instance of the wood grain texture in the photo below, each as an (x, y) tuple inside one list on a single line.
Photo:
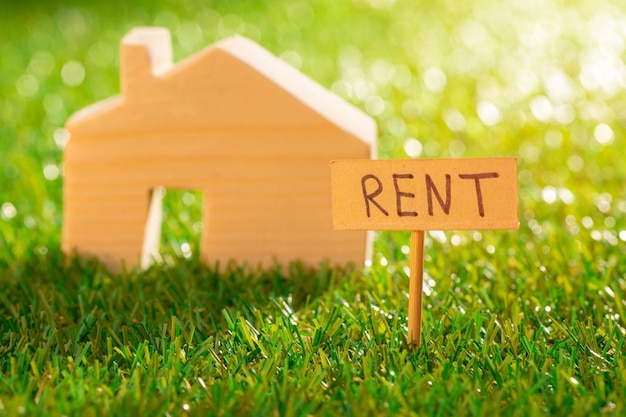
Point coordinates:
[(249, 131), (416, 288)]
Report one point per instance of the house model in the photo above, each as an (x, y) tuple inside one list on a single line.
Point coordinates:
[(252, 133)]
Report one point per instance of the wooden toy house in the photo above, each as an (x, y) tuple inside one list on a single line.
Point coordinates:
[(252, 133)]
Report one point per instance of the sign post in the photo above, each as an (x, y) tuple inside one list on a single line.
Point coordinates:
[(420, 195), (416, 282)]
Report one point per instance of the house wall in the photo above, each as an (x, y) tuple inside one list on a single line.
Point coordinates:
[(267, 193)]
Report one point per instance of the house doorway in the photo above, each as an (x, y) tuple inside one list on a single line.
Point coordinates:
[(173, 226)]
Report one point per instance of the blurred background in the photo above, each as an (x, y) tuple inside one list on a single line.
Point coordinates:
[(538, 79)]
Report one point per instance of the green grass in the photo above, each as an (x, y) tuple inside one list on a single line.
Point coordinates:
[(529, 322)]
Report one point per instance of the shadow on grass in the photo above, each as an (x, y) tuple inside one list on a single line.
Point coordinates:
[(83, 300)]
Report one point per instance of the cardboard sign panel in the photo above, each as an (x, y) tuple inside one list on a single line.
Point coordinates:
[(425, 194)]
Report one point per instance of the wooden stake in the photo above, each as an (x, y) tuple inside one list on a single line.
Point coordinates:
[(416, 280)]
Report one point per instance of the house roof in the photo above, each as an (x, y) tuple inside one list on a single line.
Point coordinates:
[(156, 45)]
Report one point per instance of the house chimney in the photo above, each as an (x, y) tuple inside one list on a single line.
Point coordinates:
[(146, 52)]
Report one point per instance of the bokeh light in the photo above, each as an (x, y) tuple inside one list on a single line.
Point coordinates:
[(541, 80)]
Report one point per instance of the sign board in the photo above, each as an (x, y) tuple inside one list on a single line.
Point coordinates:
[(425, 194)]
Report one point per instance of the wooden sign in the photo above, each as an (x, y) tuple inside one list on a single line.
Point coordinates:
[(236, 123), (424, 194)]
